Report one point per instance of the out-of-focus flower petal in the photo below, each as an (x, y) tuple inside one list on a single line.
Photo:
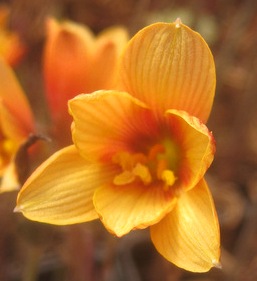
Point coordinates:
[(133, 206), (169, 66), (9, 180), (67, 58), (189, 236), (196, 144), (11, 47), (77, 62), (61, 190), (108, 47), (15, 114), (16, 123), (106, 122)]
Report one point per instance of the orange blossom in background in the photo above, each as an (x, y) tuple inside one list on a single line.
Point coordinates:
[(76, 61), (11, 47), (16, 124)]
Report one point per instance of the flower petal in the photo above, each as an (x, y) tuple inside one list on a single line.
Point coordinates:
[(76, 62), (61, 190), (197, 147), (106, 122), (16, 121), (169, 66), (189, 236), (133, 206), (9, 179), (67, 53), (67, 59), (11, 47), (108, 47)]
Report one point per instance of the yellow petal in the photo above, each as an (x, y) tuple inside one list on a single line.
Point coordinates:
[(107, 122), (133, 206), (169, 66), (189, 236), (197, 147), (67, 59), (61, 190), (16, 121)]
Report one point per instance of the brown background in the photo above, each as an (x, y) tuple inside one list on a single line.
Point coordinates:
[(31, 251)]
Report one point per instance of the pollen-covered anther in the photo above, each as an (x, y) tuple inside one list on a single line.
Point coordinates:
[(168, 178), (147, 168), (143, 173), (124, 178), (140, 171), (134, 167)]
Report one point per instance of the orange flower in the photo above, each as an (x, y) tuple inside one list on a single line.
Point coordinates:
[(74, 62), (11, 47), (16, 123), (141, 152)]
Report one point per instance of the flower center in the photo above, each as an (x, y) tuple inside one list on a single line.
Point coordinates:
[(159, 164)]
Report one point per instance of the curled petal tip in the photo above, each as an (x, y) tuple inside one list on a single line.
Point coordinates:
[(217, 264), (17, 209), (178, 22)]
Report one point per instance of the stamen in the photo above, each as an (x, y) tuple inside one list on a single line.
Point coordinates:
[(158, 165), (155, 150), (169, 179), (143, 173), (124, 178), (124, 159), (161, 166)]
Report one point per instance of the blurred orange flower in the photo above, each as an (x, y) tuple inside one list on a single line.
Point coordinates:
[(141, 152), (76, 61), (11, 47), (16, 123)]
